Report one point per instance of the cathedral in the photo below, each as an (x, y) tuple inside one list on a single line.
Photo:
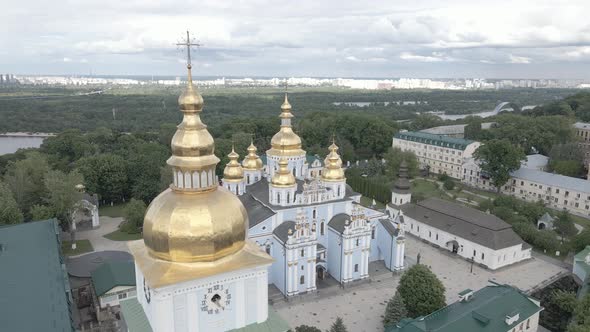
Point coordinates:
[(308, 219), (211, 249)]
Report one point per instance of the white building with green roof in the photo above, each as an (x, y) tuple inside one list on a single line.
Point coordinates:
[(113, 282), (494, 308), (440, 154), (581, 269)]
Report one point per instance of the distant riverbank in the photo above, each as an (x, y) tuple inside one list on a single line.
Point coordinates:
[(12, 141)]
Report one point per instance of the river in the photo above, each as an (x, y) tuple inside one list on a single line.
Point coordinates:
[(10, 142)]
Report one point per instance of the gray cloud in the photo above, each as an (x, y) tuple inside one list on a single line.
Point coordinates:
[(424, 38)]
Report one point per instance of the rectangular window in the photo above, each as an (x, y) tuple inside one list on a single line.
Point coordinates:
[(356, 267), (302, 252), (482, 256), (122, 296)]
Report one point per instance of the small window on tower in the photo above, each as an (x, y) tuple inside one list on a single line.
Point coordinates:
[(302, 252), (356, 267)]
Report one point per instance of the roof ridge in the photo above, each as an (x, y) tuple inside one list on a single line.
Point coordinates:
[(508, 226)]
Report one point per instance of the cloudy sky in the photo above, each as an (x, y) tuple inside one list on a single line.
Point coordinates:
[(333, 38)]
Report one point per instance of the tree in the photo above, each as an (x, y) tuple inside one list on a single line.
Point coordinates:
[(9, 211), (134, 213), (578, 328), (395, 310), (305, 328), (41, 212), (571, 168), (422, 292), (498, 158), (393, 159), (566, 301), (473, 128), (449, 184), (581, 240), (338, 326), (564, 226), (62, 195), (582, 311), (106, 175), (25, 179)]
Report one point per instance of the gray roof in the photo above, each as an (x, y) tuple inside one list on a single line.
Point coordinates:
[(582, 125), (338, 222), (33, 282), (546, 218), (465, 222), (259, 190), (257, 212), (282, 231), (83, 266), (389, 227), (535, 161), (552, 180)]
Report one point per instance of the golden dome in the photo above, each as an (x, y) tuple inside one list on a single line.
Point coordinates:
[(283, 176), (252, 161), (333, 165), (233, 170), (286, 141), (195, 220), (194, 227)]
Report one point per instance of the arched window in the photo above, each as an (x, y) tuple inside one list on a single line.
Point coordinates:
[(357, 242), (268, 249), (322, 228), (314, 213), (356, 267), (302, 252), (338, 191), (288, 197), (248, 179), (278, 197), (302, 280)]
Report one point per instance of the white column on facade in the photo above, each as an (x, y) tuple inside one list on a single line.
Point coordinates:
[(295, 278), (192, 306), (262, 300), (344, 261), (240, 306)]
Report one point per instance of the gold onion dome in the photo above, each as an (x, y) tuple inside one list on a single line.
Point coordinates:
[(195, 220), (286, 140), (233, 170), (333, 165), (283, 176), (252, 161)]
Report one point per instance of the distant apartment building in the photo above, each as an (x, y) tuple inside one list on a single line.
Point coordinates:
[(440, 154), (457, 131), (532, 184)]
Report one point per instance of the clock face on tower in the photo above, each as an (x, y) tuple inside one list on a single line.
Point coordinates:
[(216, 299)]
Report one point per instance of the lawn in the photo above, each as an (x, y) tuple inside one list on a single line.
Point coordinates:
[(112, 211), (426, 189), (118, 235), (82, 247)]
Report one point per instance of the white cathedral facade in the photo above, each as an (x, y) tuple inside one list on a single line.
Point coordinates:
[(308, 220)]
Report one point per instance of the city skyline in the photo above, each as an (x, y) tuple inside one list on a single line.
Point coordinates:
[(529, 40)]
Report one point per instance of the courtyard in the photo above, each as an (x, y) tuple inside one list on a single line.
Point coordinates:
[(362, 306)]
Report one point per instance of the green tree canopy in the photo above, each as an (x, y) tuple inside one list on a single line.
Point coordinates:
[(134, 213), (105, 175), (41, 212), (338, 326), (25, 178), (393, 159), (564, 224), (62, 195), (395, 310), (9, 211), (422, 292), (498, 158)]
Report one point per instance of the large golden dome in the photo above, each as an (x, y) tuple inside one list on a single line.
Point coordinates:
[(286, 142), (252, 162), (333, 165), (283, 176), (233, 171), (195, 220)]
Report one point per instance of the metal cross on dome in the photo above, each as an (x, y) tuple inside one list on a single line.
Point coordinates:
[(188, 43)]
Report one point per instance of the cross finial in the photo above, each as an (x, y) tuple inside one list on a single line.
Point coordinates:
[(188, 43)]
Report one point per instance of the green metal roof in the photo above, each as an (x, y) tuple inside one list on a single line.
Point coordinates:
[(134, 316), (486, 311), (580, 258), (432, 139), (112, 274), (311, 158), (137, 321), (34, 289)]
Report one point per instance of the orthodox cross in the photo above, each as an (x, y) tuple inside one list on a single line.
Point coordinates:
[(188, 43)]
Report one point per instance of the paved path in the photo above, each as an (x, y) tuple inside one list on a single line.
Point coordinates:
[(95, 236), (362, 307)]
